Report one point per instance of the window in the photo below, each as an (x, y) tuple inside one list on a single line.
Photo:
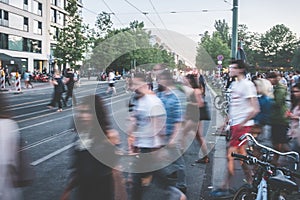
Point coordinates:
[(53, 15), (26, 44), (35, 46), (4, 1), (60, 18), (37, 27), (3, 41), (37, 8), (3, 18), (25, 6), (25, 26), (40, 28), (40, 9), (15, 43), (5, 15)]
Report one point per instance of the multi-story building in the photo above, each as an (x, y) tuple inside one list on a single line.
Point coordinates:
[(28, 32)]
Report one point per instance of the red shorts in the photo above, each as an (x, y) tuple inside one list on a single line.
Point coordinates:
[(236, 133)]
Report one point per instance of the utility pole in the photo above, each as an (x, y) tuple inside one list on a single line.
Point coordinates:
[(234, 39)]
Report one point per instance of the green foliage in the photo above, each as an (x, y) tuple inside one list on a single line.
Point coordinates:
[(71, 43), (208, 50), (125, 48), (278, 47), (296, 59), (223, 29)]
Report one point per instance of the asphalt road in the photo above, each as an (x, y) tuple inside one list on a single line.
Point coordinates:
[(48, 139)]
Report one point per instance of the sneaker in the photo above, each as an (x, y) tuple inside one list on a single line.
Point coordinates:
[(59, 110), (203, 160)]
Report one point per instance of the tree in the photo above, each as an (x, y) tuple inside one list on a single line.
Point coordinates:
[(208, 50), (223, 29), (71, 43), (278, 46), (296, 59)]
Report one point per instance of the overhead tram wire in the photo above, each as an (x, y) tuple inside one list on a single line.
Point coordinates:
[(164, 25), (145, 14), (112, 12)]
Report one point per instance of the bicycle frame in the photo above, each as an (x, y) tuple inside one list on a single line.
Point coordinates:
[(261, 188)]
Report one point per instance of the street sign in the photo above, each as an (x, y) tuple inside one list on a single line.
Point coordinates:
[(220, 57)]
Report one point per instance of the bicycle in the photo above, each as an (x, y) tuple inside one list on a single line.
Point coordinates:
[(269, 182), (221, 102)]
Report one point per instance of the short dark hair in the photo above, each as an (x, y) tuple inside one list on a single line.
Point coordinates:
[(240, 64), (272, 75)]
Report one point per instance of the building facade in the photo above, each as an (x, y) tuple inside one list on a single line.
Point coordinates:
[(28, 32)]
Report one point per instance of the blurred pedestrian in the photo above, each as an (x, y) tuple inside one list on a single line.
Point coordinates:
[(27, 79), (243, 108), (7, 77), (9, 139), (95, 143), (69, 82), (174, 101), (279, 119), (147, 121), (294, 116), (111, 82), (193, 122), (262, 120), (59, 89)]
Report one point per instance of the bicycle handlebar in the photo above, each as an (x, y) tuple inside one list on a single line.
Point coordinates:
[(254, 160), (289, 154)]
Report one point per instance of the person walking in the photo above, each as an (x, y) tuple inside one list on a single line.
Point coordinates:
[(243, 108), (9, 138), (94, 152), (279, 118), (111, 83), (69, 82), (294, 116), (147, 121), (174, 101), (7, 77), (59, 89), (27, 75), (193, 122)]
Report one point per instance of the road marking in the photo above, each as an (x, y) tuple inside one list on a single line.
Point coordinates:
[(51, 155), (47, 139), (41, 123)]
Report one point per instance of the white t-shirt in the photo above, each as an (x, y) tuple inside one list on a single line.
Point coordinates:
[(148, 133), (240, 107), (9, 138), (111, 77)]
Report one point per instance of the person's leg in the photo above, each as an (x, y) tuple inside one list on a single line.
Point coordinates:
[(230, 167), (247, 170), (188, 126), (202, 144)]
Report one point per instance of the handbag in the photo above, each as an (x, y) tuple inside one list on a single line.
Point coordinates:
[(23, 173), (204, 112)]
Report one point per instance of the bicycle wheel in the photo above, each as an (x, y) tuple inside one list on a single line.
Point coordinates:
[(244, 193), (218, 102)]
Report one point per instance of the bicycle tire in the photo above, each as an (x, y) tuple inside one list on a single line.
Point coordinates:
[(244, 193), (218, 102)]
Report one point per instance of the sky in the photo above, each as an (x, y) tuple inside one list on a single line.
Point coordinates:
[(194, 17)]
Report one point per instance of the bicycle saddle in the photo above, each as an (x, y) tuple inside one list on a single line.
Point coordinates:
[(279, 181)]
